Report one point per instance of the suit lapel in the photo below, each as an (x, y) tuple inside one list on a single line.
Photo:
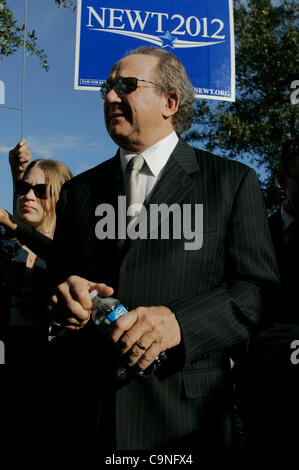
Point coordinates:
[(107, 186), (176, 179), (107, 181)]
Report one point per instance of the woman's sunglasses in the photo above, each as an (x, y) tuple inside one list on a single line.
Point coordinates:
[(122, 86), (22, 188)]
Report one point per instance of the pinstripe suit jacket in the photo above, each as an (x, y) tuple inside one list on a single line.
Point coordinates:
[(218, 292)]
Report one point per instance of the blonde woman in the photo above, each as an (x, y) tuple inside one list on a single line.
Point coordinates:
[(22, 271)]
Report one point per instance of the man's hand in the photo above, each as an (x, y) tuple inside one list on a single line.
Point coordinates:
[(19, 159), (71, 304), (155, 329), (5, 220)]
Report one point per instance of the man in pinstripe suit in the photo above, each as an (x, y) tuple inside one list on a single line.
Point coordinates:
[(198, 305)]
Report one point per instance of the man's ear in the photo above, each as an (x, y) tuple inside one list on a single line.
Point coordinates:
[(281, 179), (171, 104)]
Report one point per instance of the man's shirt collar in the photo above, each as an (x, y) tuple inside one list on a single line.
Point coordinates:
[(155, 156)]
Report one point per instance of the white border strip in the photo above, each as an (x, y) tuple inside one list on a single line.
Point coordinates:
[(232, 62)]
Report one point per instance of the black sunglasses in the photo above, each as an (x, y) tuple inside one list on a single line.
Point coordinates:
[(22, 188), (122, 86)]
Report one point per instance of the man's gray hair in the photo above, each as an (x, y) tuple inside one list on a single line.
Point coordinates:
[(173, 78)]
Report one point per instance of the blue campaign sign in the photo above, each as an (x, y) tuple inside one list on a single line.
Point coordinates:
[(199, 32)]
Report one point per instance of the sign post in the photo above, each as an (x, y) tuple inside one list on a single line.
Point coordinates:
[(2, 87), (2, 92)]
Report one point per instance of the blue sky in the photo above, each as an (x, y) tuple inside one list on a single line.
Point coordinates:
[(60, 123)]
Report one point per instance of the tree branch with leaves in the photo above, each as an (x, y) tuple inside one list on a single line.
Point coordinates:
[(12, 33), (262, 117)]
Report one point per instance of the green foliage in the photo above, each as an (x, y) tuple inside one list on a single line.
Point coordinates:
[(12, 33), (262, 118)]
